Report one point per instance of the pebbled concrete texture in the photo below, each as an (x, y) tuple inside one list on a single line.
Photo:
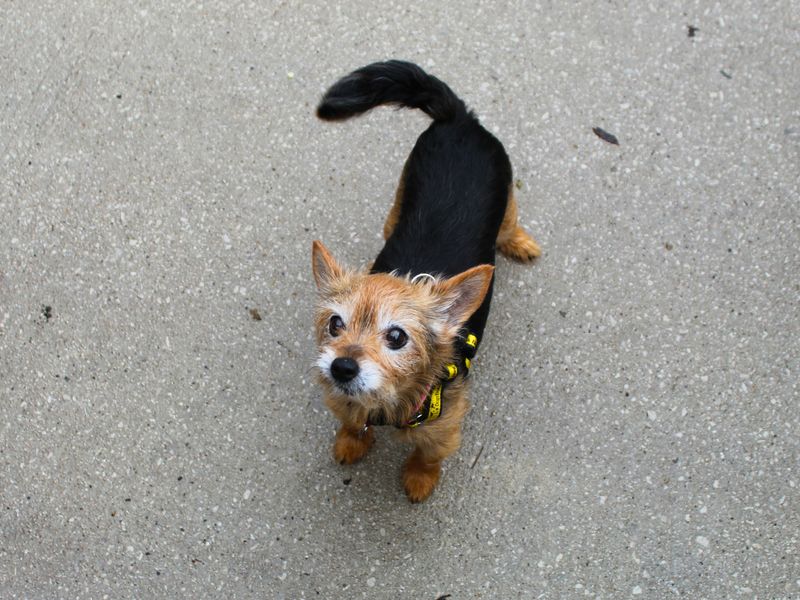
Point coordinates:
[(635, 427)]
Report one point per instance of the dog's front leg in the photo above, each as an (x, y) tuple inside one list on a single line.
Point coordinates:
[(353, 439), (433, 442)]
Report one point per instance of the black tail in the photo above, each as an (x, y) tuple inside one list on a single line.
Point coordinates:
[(391, 82)]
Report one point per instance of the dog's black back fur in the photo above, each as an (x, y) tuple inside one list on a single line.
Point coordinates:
[(457, 178)]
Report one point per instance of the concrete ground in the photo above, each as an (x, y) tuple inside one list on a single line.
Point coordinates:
[(635, 429)]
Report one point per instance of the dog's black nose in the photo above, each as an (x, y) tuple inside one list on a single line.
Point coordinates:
[(344, 369)]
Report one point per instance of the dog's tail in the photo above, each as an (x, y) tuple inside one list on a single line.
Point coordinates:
[(392, 82)]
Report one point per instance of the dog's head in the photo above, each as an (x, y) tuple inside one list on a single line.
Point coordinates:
[(382, 336)]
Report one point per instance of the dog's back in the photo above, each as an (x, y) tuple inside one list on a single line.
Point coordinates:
[(453, 197)]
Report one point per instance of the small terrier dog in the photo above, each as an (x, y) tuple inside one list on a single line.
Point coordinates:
[(396, 341)]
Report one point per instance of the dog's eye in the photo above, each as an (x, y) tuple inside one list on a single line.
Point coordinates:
[(335, 325), (396, 338)]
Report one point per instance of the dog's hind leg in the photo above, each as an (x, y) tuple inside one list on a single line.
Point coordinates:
[(512, 239), (394, 214)]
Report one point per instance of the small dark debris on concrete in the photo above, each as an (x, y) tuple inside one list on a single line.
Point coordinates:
[(518, 184), (119, 96), (725, 74), (47, 312), (605, 136), (692, 30), (477, 456), (255, 314), (445, 597), (563, 313), (668, 246), (285, 347), (347, 481)]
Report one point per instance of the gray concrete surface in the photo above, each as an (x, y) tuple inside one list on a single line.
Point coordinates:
[(635, 401)]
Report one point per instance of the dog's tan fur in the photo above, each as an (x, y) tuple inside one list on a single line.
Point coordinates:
[(394, 213)]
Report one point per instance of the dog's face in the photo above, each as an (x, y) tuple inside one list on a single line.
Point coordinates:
[(382, 336)]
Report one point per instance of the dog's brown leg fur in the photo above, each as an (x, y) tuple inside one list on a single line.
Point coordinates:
[(351, 445), (352, 441), (420, 475), (394, 214), (433, 443), (512, 240)]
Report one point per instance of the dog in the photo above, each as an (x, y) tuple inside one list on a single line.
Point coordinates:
[(396, 341)]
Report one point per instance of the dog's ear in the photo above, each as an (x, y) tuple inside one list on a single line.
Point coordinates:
[(463, 294), (326, 269)]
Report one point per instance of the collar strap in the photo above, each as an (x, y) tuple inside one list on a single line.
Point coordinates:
[(430, 408)]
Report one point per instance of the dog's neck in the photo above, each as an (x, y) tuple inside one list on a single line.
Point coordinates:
[(429, 403)]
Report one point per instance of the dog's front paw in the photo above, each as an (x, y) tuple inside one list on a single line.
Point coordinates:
[(420, 477), (351, 446)]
